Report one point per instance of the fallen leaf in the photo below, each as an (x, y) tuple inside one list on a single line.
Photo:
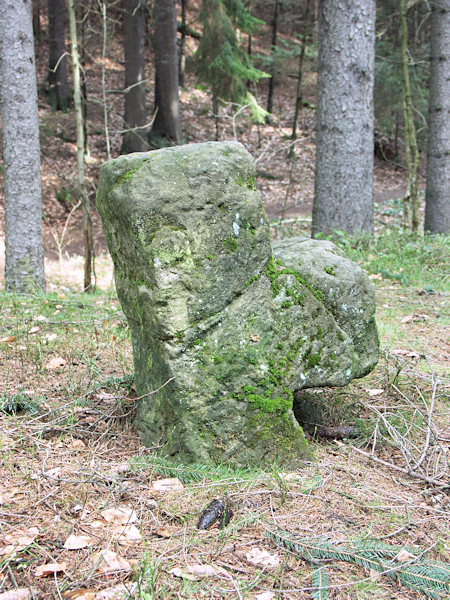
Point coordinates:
[(19, 540), (375, 391), (51, 337), (80, 594), (404, 556), (8, 339), (263, 558), (56, 362), (117, 592), (184, 573), (408, 353), (265, 596), (171, 484), (374, 574), (254, 337), (41, 318), (415, 318), (49, 569), (18, 594), (206, 570), (127, 533), (34, 329), (77, 444), (76, 542), (164, 532), (121, 515), (110, 562)]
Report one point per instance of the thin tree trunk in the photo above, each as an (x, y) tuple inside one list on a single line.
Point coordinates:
[(343, 194), (299, 96), (182, 56), (273, 49), (166, 127), (134, 140), (83, 21), (87, 223), (411, 199), (58, 90), (437, 197), (24, 265), (37, 21)]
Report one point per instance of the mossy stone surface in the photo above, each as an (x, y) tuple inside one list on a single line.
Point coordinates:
[(208, 305)]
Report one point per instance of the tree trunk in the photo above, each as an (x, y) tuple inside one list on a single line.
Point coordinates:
[(299, 95), (182, 55), (58, 91), (272, 50), (37, 21), (24, 268), (343, 195), (411, 199), (437, 197), (166, 127), (134, 140), (87, 223)]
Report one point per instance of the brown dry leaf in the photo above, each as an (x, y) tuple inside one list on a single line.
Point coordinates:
[(414, 317), (164, 532), (206, 570), (404, 556), (34, 329), (184, 573), (8, 339), (17, 541), (56, 362), (127, 533), (171, 484), (375, 391), (374, 574), (80, 594), (18, 594), (117, 592), (110, 562), (262, 558), (254, 337), (121, 515), (408, 353), (77, 445), (265, 596), (76, 542), (49, 569)]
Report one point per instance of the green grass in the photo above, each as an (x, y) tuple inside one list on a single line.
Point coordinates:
[(417, 261)]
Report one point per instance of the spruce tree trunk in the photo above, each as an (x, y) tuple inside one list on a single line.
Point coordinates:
[(57, 68), (24, 265), (437, 197), (343, 195), (134, 46), (272, 50), (166, 126)]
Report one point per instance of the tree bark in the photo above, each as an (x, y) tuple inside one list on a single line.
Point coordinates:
[(272, 50), (84, 197), (182, 54), (411, 199), (166, 127), (37, 21), (343, 195), (299, 95), (134, 46), (437, 197), (58, 90), (24, 265)]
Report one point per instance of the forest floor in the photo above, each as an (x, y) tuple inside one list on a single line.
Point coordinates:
[(86, 512)]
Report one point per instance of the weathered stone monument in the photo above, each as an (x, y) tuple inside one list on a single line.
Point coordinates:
[(238, 327)]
